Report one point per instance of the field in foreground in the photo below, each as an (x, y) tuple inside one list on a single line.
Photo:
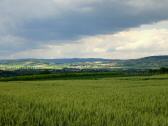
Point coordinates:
[(122, 101)]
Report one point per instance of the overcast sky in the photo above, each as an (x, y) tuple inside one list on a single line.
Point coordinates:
[(83, 28)]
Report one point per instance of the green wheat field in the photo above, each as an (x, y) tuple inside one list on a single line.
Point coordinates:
[(118, 101)]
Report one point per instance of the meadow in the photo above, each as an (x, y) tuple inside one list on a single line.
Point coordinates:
[(117, 101)]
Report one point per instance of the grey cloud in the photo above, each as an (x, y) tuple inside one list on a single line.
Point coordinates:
[(42, 21), (106, 17)]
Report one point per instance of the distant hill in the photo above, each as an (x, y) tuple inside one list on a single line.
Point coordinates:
[(152, 62), (53, 61), (146, 63)]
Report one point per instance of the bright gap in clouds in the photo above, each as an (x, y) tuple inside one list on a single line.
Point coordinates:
[(138, 42)]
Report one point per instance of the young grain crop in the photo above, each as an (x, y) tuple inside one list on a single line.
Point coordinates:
[(105, 102)]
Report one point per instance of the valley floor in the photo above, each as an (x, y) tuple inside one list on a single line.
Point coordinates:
[(120, 101)]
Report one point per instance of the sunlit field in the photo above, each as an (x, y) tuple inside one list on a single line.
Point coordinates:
[(118, 101)]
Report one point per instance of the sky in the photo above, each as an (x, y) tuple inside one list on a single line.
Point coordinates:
[(113, 29)]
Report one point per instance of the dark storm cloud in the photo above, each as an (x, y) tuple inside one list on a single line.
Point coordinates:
[(106, 17)]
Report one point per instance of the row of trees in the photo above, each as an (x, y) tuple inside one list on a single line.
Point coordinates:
[(20, 72), (162, 70)]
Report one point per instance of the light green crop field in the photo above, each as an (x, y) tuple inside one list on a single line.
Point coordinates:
[(130, 101)]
